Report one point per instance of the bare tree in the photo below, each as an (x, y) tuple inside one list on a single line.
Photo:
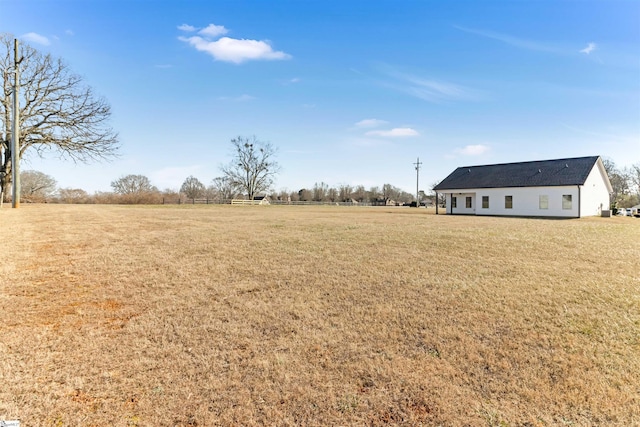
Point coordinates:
[(360, 194), (73, 195), (344, 191), (295, 196), (332, 194), (305, 195), (634, 177), (223, 188), (58, 112), (620, 184), (625, 183), (170, 195), (393, 193), (37, 186), (373, 194), (133, 184), (253, 167), (283, 195), (609, 165), (320, 191), (192, 188)]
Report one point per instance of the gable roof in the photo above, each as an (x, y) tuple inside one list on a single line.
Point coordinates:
[(544, 173)]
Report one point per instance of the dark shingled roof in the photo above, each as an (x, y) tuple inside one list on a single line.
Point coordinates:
[(545, 173)]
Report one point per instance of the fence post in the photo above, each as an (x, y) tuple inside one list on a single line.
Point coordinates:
[(193, 201)]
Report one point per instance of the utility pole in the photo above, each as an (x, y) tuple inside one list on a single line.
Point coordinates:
[(418, 163), (2, 174), (15, 139)]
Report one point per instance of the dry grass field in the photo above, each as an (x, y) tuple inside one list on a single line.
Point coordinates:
[(316, 316)]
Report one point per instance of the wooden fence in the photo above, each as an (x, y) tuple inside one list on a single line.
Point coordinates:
[(242, 202), (249, 202), (171, 201)]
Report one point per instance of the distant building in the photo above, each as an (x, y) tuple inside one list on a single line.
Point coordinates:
[(571, 188)]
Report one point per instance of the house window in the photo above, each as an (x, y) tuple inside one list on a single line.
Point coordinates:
[(543, 202), (485, 202), (454, 202), (508, 202), (468, 202), (566, 201)]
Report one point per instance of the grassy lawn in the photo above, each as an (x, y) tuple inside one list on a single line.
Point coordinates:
[(221, 315)]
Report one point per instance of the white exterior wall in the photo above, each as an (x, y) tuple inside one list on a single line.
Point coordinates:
[(595, 195), (526, 201), (461, 208)]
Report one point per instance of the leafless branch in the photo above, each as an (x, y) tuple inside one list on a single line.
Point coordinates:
[(253, 167), (58, 112)]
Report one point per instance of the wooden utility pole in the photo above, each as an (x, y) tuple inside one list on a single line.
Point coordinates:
[(15, 139), (418, 163)]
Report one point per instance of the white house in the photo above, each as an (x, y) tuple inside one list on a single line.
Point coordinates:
[(571, 188)]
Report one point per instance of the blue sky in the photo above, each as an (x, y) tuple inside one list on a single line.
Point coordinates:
[(351, 92)]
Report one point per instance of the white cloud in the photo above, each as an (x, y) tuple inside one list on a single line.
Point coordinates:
[(553, 48), (473, 150), (187, 28), (69, 32), (370, 123), (291, 81), (590, 48), (393, 133), (213, 30), (235, 50), (229, 49), (432, 90), (427, 89), (510, 40), (36, 38)]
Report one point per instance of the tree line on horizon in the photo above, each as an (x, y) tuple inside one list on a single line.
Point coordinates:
[(38, 187), (59, 113), (625, 183)]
